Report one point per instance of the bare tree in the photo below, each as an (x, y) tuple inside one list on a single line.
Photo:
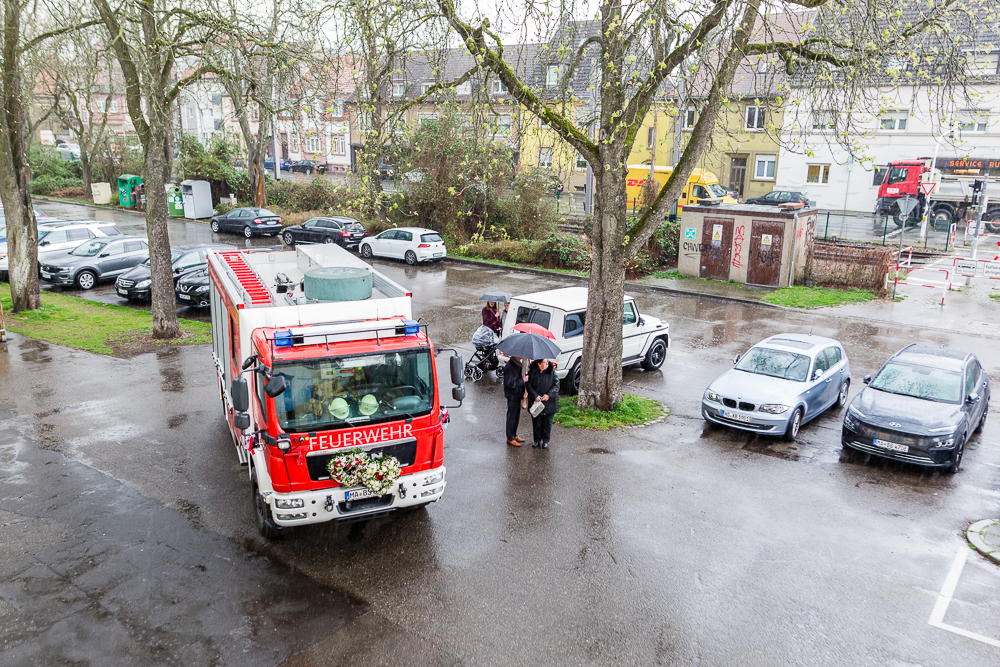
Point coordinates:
[(637, 50), (152, 39)]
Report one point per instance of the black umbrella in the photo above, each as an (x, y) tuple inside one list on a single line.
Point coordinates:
[(502, 297), (529, 346)]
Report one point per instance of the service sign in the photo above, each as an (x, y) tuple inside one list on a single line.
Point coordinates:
[(765, 240), (690, 233), (966, 267), (716, 236), (991, 270)]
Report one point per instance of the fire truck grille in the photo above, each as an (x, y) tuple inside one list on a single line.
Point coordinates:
[(405, 451)]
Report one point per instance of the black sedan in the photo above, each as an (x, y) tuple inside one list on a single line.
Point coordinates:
[(347, 232), (921, 407), (192, 288), (778, 197), (308, 167), (134, 285), (249, 221)]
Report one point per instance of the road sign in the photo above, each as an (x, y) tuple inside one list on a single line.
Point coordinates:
[(991, 270), (689, 233), (928, 187), (966, 267)]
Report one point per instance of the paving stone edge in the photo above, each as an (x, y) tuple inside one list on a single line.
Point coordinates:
[(974, 535)]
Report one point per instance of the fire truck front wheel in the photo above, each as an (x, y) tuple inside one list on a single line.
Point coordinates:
[(265, 523)]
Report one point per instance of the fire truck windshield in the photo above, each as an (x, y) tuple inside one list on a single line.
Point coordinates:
[(352, 391), (898, 174)]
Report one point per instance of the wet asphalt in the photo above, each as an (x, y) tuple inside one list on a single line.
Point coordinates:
[(677, 543)]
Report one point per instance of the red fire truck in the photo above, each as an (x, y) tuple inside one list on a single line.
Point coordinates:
[(950, 201), (317, 354)]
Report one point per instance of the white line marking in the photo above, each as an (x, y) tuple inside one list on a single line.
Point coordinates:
[(944, 599)]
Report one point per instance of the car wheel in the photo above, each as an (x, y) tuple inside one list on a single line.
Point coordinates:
[(215, 226), (247, 232), (655, 356), (366, 251), (309, 172), (956, 461), (328, 240), (574, 380), (982, 420), (86, 280), (794, 424), (266, 526), (842, 396), (411, 257), (288, 239)]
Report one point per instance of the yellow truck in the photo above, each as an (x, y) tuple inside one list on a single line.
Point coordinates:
[(702, 183)]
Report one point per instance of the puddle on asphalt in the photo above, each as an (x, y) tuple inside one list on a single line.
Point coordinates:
[(599, 450), (36, 351)]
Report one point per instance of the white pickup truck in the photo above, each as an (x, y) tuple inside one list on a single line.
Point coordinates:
[(645, 339)]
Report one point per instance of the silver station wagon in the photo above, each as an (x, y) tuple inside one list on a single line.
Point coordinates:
[(779, 384)]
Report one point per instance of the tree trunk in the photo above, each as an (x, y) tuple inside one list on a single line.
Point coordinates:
[(256, 169), (601, 379), (165, 325), (15, 172), (85, 167)]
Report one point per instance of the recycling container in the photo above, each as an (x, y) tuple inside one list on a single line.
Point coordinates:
[(197, 197), (126, 184), (175, 202), (101, 192)]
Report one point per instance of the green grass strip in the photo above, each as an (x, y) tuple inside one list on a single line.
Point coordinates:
[(632, 411), (817, 297), (95, 327)]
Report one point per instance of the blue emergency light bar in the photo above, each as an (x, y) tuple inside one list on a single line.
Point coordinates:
[(283, 338), (412, 327)]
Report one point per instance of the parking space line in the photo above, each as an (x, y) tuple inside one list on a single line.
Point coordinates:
[(944, 599)]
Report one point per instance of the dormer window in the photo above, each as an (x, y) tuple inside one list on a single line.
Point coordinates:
[(553, 73), (398, 88), (497, 87)]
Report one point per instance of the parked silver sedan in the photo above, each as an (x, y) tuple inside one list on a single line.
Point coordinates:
[(779, 384)]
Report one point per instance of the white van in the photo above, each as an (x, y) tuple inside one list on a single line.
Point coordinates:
[(645, 339)]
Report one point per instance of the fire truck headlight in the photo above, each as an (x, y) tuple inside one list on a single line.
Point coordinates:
[(289, 503), (433, 479), (143, 284)]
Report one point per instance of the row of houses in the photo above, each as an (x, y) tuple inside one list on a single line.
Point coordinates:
[(764, 140)]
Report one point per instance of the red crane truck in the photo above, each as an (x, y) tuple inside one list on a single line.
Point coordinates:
[(317, 354), (952, 199)]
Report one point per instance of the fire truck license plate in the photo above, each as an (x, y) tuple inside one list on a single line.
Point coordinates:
[(359, 494)]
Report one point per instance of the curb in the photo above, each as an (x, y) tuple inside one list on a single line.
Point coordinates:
[(975, 537), (88, 205), (628, 285)]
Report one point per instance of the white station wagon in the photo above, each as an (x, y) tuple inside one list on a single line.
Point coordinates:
[(645, 339)]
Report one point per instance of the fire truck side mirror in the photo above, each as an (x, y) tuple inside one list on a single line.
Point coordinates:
[(240, 395), (241, 421), (275, 386), (458, 393), (457, 370)]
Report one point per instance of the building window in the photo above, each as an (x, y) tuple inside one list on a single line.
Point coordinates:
[(425, 87), (816, 173), (972, 123), (581, 162), (983, 64), (502, 126), (399, 89), (313, 144), (650, 137), (114, 105), (754, 119), (464, 88), (545, 157), (497, 87), (879, 176), (426, 117), (99, 103), (295, 142), (893, 122), (824, 120), (688, 120), (190, 111), (553, 73), (765, 168)]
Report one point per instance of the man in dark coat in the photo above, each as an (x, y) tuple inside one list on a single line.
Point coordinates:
[(543, 386), (513, 391)]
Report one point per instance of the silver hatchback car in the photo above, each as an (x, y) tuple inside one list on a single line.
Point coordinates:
[(779, 384)]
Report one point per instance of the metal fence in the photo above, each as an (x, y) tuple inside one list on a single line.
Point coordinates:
[(882, 229)]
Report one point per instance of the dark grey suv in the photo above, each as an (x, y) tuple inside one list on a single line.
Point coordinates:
[(95, 260), (921, 407)]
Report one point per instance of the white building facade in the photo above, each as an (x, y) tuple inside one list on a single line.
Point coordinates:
[(913, 120)]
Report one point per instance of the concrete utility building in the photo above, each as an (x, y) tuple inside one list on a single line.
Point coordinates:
[(757, 245)]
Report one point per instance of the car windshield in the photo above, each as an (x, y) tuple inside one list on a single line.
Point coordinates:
[(430, 238), (88, 248), (775, 363), (898, 174), (717, 190), (264, 211), (346, 392), (932, 384), (174, 256)]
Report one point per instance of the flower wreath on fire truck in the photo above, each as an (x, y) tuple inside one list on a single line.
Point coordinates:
[(378, 474)]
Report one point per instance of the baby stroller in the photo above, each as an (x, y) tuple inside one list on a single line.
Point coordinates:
[(485, 358)]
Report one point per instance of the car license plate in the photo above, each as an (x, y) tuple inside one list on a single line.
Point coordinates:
[(186, 297), (359, 494), (891, 445), (439, 254), (122, 291), (735, 416), (46, 275)]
